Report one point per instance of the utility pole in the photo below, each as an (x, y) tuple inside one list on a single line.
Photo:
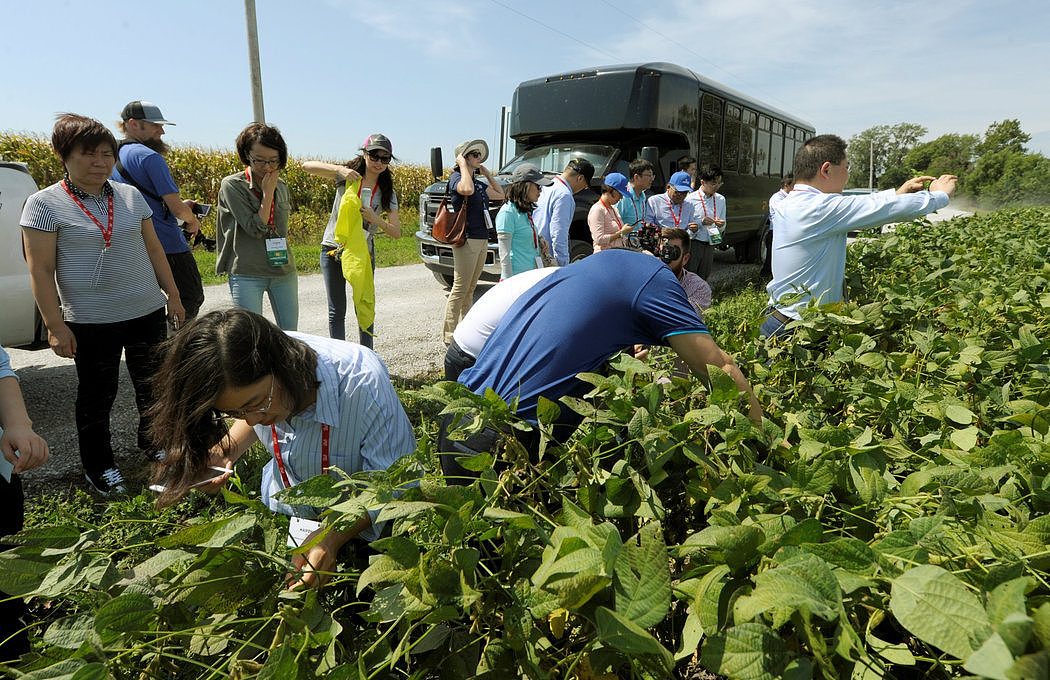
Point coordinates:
[(253, 61), (502, 136), (871, 164)]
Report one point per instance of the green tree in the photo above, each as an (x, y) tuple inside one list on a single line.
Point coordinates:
[(951, 154), (885, 146), (1004, 136), (1011, 178)]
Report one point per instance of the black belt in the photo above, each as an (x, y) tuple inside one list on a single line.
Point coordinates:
[(780, 316)]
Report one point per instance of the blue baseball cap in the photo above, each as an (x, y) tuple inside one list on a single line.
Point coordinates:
[(616, 181), (681, 181)]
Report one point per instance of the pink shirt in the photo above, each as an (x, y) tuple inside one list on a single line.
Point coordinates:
[(605, 222)]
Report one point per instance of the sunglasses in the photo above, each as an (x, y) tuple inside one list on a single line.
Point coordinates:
[(474, 154), (379, 158)]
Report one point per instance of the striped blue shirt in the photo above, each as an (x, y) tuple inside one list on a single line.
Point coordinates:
[(121, 285), (369, 429)]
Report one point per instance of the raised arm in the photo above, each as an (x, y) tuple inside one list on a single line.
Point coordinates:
[(699, 351)]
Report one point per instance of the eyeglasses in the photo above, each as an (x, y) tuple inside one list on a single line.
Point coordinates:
[(379, 158), (265, 161), (474, 154), (243, 413)]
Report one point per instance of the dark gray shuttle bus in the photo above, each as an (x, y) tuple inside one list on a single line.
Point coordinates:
[(611, 115)]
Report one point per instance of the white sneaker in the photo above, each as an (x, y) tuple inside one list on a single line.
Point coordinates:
[(108, 482)]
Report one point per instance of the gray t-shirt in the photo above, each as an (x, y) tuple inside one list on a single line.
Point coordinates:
[(118, 286), (377, 204)]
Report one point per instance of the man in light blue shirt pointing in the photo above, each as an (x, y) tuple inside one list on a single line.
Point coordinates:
[(809, 242)]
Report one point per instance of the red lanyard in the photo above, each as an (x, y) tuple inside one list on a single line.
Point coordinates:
[(703, 204), (639, 217), (273, 203), (372, 198), (107, 231), (670, 209), (325, 432), (535, 238), (559, 178), (616, 217)]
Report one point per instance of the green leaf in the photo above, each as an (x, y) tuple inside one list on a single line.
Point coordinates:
[(992, 660), (216, 534), (55, 538), (404, 509), (21, 575), (1030, 667), (280, 665), (803, 583), (750, 651), (966, 438), (937, 608), (126, 613), (848, 553), (77, 572), (642, 578), (624, 635), (63, 670), (547, 411), (735, 546), (516, 519), (958, 413), (317, 492), (477, 463), (577, 590), (1009, 616)]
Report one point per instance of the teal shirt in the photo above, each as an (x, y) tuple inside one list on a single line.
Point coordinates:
[(524, 247), (633, 208)]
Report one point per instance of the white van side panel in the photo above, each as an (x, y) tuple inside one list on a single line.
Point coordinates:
[(17, 308)]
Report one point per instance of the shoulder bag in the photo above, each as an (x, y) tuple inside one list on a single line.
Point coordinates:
[(451, 226)]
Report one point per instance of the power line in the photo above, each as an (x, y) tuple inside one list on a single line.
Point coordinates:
[(555, 30)]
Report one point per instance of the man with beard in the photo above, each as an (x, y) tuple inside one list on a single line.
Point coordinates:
[(140, 163)]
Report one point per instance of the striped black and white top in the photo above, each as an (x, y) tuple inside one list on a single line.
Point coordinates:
[(122, 285)]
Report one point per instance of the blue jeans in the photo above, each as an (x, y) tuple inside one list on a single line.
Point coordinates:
[(773, 327), (247, 293), (335, 285)]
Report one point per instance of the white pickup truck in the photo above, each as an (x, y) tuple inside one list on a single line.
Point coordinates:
[(20, 323)]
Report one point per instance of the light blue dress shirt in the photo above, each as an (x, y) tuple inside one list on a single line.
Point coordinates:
[(809, 242), (633, 208), (553, 217), (369, 429)]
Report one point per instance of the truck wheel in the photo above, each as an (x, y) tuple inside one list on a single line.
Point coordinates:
[(444, 279), (579, 250)]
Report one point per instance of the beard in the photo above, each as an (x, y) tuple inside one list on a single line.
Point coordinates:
[(157, 145)]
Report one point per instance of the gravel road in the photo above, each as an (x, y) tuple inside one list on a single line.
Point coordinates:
[(410, 306)]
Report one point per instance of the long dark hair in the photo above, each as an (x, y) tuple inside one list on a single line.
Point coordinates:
[(386, 179), (219, 350), (518, 194)]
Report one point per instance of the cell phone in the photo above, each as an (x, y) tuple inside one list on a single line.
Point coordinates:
[(160, 488), (201, 209), (366, 197)]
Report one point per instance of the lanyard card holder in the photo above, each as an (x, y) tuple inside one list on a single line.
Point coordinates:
[(299, 530), (277, 251)]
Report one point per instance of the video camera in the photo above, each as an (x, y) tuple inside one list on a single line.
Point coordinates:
[(647, 237), (201, 210)]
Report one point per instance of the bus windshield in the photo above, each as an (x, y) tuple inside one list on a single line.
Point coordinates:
[(554, 158)]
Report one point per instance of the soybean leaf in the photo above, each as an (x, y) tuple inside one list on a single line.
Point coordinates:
[(750, 651), (126, 613), (280, 665), (622, 634), (642, 579), (937, 608), (802, 583)]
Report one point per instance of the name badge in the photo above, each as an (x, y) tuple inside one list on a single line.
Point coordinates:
[(299, 530), (277, 251), (714, 233)]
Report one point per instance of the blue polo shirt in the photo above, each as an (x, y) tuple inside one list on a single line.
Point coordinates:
[(150, 170), (573, 321), (634, 208)]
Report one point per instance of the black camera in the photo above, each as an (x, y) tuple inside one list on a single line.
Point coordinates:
[(669, 252), (645, 237), (200, 210)]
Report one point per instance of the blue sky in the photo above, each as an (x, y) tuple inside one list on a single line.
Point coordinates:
[(433, 73)]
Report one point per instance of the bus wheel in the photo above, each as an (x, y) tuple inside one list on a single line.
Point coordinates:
[(579, 250)]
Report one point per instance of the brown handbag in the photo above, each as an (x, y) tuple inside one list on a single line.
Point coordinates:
[(451, 227)]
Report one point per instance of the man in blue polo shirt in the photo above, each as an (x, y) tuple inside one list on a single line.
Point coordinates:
[(574, 321), (141, 164)]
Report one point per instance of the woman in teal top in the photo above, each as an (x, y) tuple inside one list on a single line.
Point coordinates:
[(519, 245)]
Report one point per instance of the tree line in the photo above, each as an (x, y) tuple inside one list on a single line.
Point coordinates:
[(994, 170)]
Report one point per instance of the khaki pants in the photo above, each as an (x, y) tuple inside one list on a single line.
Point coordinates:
[(468, 261)]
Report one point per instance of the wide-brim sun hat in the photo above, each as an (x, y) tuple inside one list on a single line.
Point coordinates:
[(463, 148)]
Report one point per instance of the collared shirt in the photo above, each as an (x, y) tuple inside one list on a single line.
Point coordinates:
[(809, 242), (241, 234), (666, 214), (553, 217), (524, 241), (633, 207), (605, 224), (697, 291), (705, 206), (368, 426), (5, 365), (98, 288)]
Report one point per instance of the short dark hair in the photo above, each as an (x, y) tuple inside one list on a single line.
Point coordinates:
[(583, 167), (708, 172), (639, 166), (684, 162), (518, 194), (268, 136), (816, 152), (222, 349), (676, 234), (73, 130)]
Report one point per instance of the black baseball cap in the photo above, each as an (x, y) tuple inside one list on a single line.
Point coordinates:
[(143, 110)]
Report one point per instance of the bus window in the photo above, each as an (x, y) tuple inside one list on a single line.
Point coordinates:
[(747, 142), (711, 130), (762, 147), (776, 151), (731, 140)]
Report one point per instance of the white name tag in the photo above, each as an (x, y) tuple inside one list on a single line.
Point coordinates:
[(299, 529), (277, 251)]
